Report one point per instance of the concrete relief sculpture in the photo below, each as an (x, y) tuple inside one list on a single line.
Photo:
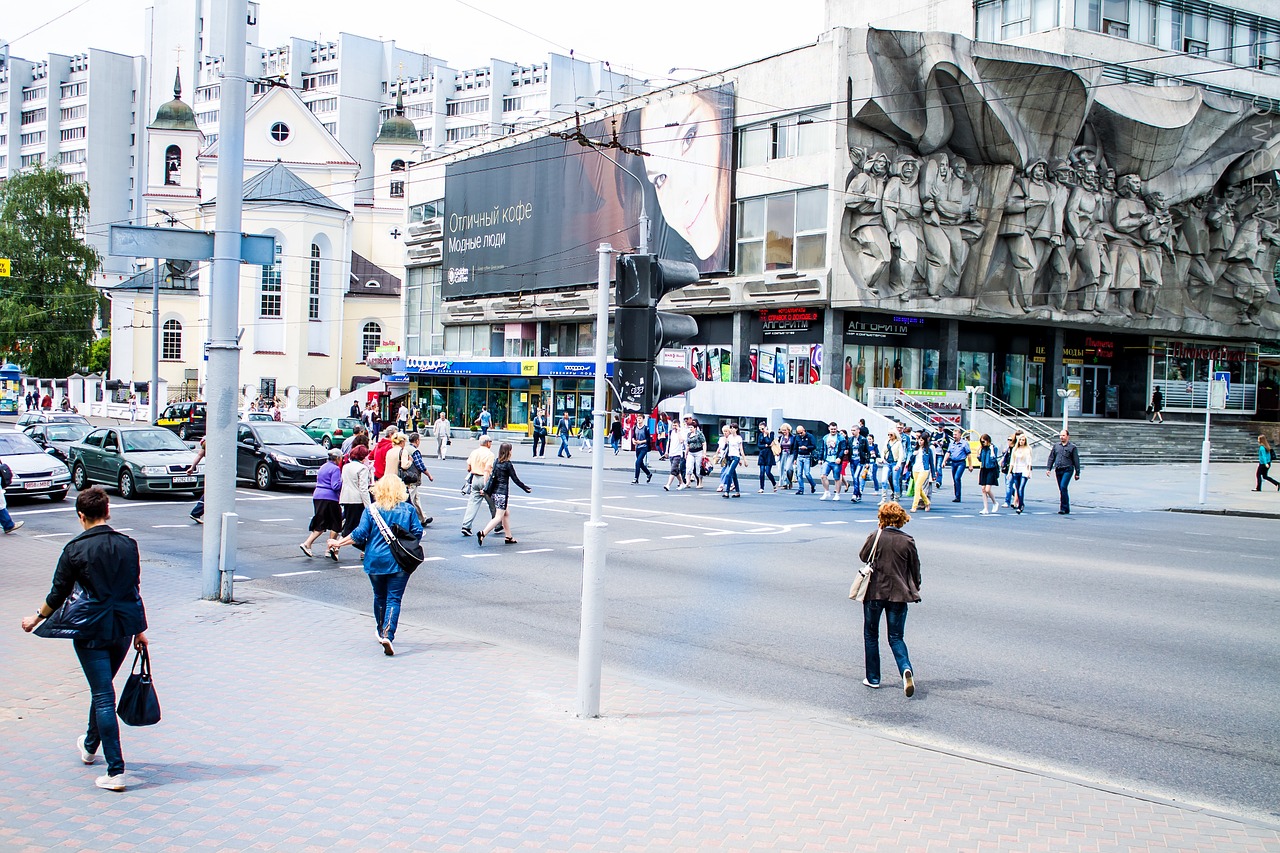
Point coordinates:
[(973, 192)]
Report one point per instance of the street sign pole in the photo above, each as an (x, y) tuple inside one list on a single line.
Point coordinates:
[(1204, 447), (155, 340)]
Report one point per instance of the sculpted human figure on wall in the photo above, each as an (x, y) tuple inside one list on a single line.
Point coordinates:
[(1028, 230), (1062, 180), (1256, 234), (1157, 237), (902, 210), (864, 191), (1085, 214), (1128, 218), (1192, 256), (951, 225)]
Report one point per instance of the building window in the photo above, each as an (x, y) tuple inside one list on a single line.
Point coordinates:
[(270, 290), (789, 136), (279, 132), (171, 341), (37, 94), (423, 311), (782, 232), (319, 81), (34, 116), (467, 340), (468, 107), (74, 90), (72, 133), (370, 339), (210, 117), (32, 138), (459, 134), (323, 105), (313, 287), (73, 113)]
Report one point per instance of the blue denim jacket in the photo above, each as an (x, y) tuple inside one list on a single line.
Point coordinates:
[(377, 553)]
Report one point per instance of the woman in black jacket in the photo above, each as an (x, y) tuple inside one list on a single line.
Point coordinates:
[(895, 582), (504, 472), (106, 566)]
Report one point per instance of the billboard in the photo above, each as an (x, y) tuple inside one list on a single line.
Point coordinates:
[(529, 218)]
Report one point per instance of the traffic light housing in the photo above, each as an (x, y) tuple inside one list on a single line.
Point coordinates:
[(641, 331)]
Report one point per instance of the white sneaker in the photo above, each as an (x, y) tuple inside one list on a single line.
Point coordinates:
[(111, 783), (85, 755), (908, 683), (995, 510), (984, 512), (387, 648), (16, 525), (869, 684), (826, 496)]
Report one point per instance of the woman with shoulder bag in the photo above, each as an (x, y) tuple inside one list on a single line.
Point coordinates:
[(106, 566), (1265, 457), (499, 487), (988, 474), (390, 500), (765, 441), (894, 583)]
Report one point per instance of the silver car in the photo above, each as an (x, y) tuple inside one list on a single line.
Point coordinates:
[(35, 472)]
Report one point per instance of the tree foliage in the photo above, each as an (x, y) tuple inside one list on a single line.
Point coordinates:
[(99, 359), (47, 304)]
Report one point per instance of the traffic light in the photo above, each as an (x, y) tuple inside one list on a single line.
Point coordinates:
[(641, 331)]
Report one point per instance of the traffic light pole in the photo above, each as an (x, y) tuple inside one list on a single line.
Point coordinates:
[(594, 530)]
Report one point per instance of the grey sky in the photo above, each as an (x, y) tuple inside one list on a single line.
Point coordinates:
[(648, 38)]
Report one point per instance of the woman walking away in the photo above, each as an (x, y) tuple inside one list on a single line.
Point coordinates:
[(1157, 406), (988, 474), (396, 456), (895, 582), (327, 515), (1264, 463), (354, 496), (390, 500), (1020, 466), (921, 462), (105, 565), (732, 459), (765, 457), (504, 473), (677, 449)]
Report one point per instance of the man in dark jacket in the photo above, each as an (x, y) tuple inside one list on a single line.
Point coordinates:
[(802, 446), (1064, 460), (540, 433)]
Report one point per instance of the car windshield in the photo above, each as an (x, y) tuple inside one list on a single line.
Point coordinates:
[(14, 443), (68, 419), (348, 424), (151, 439), (67, 432), (274, 433)]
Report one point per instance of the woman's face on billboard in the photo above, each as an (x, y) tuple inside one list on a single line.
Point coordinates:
[(684, 136)]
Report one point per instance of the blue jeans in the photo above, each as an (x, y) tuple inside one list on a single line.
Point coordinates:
[(1063, 476), (804, 471), (893, 474), (100, 662), (564, 446), (895, 620), (387, 592), (6, 520), (1008, 489), (957, 472), (642, 452), (1018, 484), (787, 464), (729, 477)]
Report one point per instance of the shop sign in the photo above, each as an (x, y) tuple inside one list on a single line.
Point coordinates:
[(881, 329), (447, 367), (1177, 349), (779, 322), (528, 368), (568, 368), (1100, 349)]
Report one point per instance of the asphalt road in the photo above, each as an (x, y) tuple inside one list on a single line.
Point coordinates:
[(1137, 649)]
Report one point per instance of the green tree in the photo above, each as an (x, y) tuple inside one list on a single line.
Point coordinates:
[(47, 304), (99, 358)]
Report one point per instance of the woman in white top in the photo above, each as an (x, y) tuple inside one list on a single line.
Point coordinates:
[(441, 431), (354, 497), (677, 446), (732, 458), (1020, 470), (893, 461)]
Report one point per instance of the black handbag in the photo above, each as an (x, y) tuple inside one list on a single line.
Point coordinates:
[(139, 705), (72, 621), (405, 548)]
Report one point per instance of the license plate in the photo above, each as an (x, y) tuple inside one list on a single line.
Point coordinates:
[(178, 480), (38, 484), (311, 472)]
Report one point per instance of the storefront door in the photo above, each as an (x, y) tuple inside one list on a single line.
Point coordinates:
[(1093, 390)]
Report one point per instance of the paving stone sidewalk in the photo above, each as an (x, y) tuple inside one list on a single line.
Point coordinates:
[(285, 728)]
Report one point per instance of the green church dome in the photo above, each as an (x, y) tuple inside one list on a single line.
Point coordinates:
[(175, 115)]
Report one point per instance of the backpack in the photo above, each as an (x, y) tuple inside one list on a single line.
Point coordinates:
[(6, 476)]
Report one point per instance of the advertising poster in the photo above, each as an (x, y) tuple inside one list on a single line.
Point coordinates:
[(529, 218)]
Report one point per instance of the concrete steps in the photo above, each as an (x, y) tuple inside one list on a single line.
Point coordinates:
[(1137, 442)]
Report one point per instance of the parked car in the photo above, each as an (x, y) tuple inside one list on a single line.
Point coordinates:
[(57, 437), (330, 431), (35, 472), (136, 460), (187, 419), (271, 452), (30, 418), (258, 416)]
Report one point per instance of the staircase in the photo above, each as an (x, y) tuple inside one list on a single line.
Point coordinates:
[(1137, 442)]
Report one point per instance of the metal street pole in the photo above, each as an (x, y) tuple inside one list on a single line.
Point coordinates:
[(155, 339), (594, 530), (1204, 447), (223, 376)]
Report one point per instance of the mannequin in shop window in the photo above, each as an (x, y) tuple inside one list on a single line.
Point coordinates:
[(860, 376), (848, 374), (897, 373)]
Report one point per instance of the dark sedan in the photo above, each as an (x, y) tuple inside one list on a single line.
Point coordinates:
[(57, 437), (271, 452)]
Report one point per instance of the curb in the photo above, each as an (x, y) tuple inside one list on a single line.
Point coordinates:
[(1240, 513)]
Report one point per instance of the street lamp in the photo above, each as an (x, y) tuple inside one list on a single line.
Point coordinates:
[(1065, 394)]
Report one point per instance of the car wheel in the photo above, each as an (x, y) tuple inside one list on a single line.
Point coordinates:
[(326, 442), (262, 476), (58, 496), (128, 488), (79, 478), (182, 432)]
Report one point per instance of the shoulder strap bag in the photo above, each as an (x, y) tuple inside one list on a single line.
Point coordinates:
[(406, 550), (139, 705), (72, 621), (861, 582)]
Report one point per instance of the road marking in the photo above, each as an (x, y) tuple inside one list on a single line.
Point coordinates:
[(833, 522), (47, 535), (1254, 538), (535, 551), (294, 574), (761, 530), (680, 536), (170, 526), (473, 556), (266, 520), (720, 533), (1196, 551), (114, 508), (429, 559), (242, 577), (575, 547), (865, 520), (1193, 533), (359, 566), (629, 541), (965, 516), (124, 530)]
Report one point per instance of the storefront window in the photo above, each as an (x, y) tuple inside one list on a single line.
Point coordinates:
[(1180, 369), (868, 367)]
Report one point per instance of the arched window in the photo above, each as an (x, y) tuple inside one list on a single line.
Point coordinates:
[(172, 166), (313, 287), (269, 292), (171, 341), (370, 339), (397, 165)]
